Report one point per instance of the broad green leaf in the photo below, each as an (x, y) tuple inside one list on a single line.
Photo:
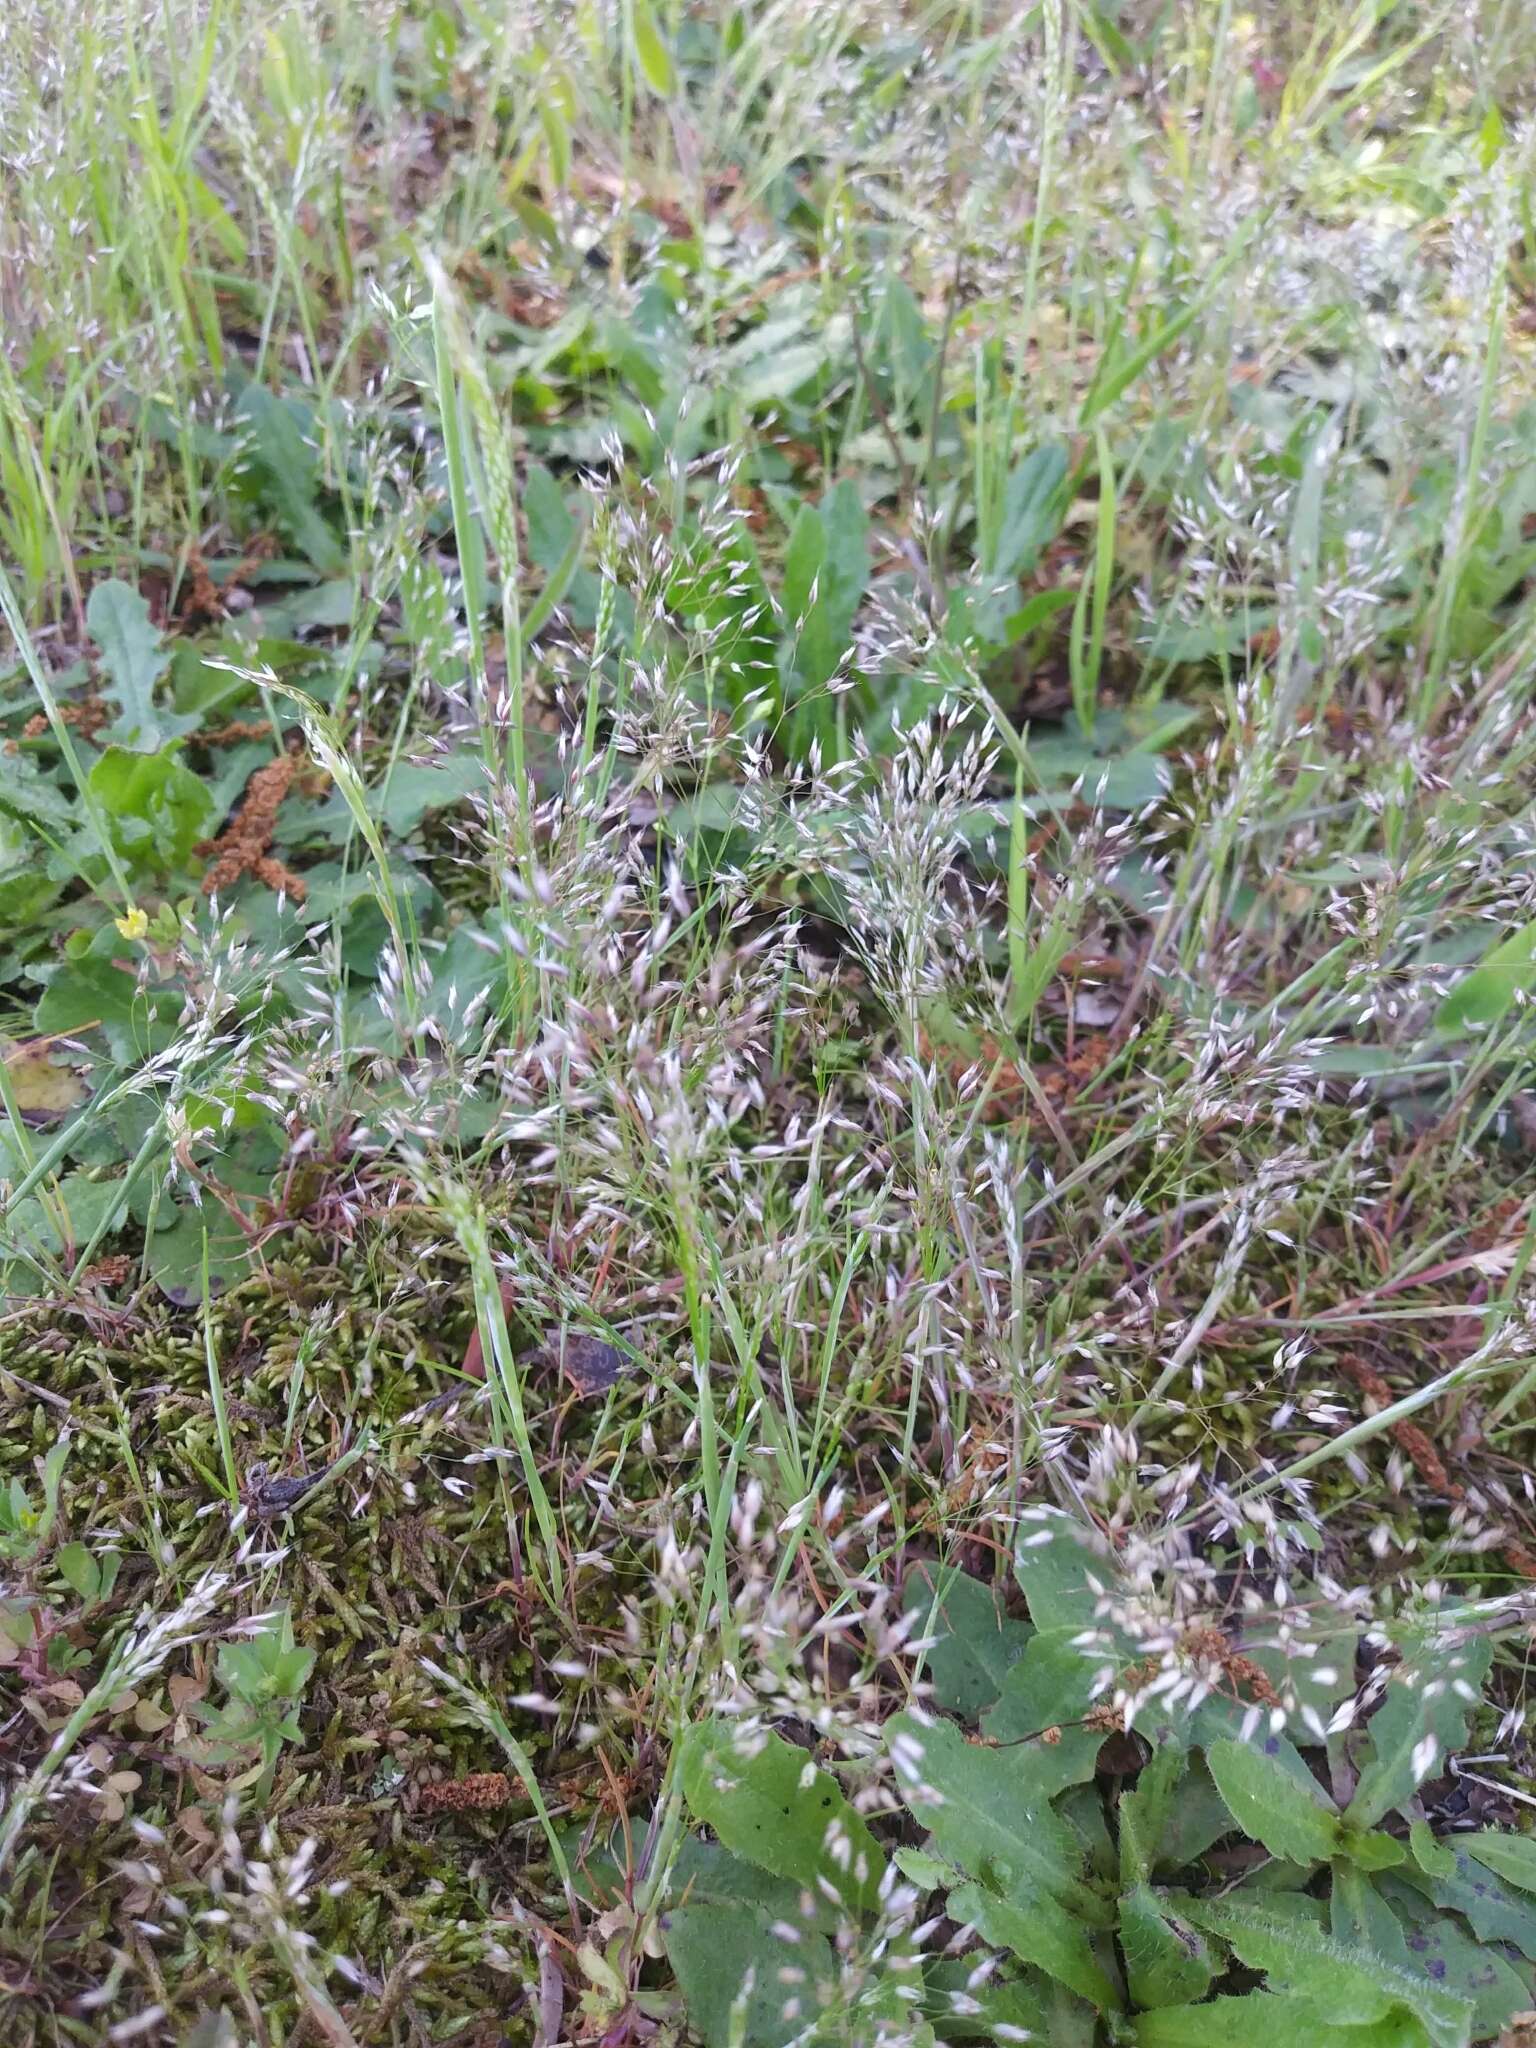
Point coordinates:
[(1359, 1917), (1495, 1910), (1448, 1956), (1263, 2020), (85, 992), (77, 1209), (1064, 1570), (1271, 1806), (1480, 999), (134, 658), (966, 2004), (416, 788), (986, 1815), (156, 808), (779, 375), (716, 590), (1167, 1961), (91, 991), (1118, 781), (1512, 1857), (1346, 1985), (329, 604), (79, 1571), (1043, 1932), (1040, 1710), (1435, 1859), (557, 138), (768, 1801), (928, 1873), (1421, 1720), (551, 524), (651, 52), (282, 468), (974, 1645), (1370, 1848), (726, 1943), (176, 1254), (1172, 638), (1034, 505), (1036, 612), (705, 1874)]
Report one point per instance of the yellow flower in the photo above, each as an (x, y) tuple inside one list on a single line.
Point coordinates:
[(134, 925)]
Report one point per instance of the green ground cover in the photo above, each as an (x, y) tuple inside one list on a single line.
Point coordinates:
[(767, 914)]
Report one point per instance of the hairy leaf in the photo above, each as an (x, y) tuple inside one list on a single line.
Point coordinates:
[(1346, 1984), (1196, 1818), (1360, 1917), (1145, 1811), (1495, 1910), (1041, 1931), (1270, 1805), (1167, 1961), (1448, 1956)]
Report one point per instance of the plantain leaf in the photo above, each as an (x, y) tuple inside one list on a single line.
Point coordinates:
[(1273, 1807), (1042, 1932), (1167, 1961), (1347, 1986)]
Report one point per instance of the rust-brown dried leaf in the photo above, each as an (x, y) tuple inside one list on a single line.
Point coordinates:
[(242, 848), (481, 1792)]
